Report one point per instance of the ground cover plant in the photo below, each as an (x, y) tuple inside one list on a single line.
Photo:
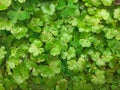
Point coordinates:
[(59, 45)]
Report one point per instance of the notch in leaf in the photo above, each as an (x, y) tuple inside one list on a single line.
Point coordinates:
[(117, 2)]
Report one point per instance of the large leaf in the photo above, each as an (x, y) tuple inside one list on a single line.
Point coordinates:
[(4, 4)]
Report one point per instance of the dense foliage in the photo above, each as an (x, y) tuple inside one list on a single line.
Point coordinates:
[(59, 45)]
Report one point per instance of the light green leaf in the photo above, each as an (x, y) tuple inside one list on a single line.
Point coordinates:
[(111, 33), (21, 1), (46, 71), (104, 14), (56, 66), (85, 42), (2, 54), (99, 77), (107, 2), (92, 21), (55, 50), (107, 56), (100, 62), (71, 53), (11, 64), (4, 4), (72, 65), (35, 48), (81, 63), (19, 31), (5, 24), (66, 37), (62, 84), (48, 10), (36, 22), (117, 13), (96, 2), (46, 36), (19, 78), (1, 87)]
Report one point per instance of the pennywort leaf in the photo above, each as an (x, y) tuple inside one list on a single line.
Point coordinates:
[(5, 4), (2, 54)]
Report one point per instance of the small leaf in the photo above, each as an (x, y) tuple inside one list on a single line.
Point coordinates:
[(107, 2), (19, 31), (117, 13), (1, 87), (56, 66), (18, 15), (45, 71), (55, 50), (62, 84), (71, 53), (72, 65), (48, 10), (2, 54), (61, 5), (35, 48), (81, 64), (21, 1), (66, 37), (99, 77), (85, 42)]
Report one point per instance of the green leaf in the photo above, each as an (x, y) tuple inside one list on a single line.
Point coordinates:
[(56, 66), (11, 63), (35, 48), (66, 37), (48, 10), (92, 10), (59, 45), (71, 4), (61, 5), (21, 1), (18, 15), (19, 78), (5, 24), (72, 65), (55, 50), (107, 56), (35, 24), (85, 42), (46, 36), (99, 77), (62, 84), (111, 33), (67, 9), (1, 87), (104, 14), (92, 21), (46, 71), (71, 53), (4, 4), (117, 13), (19, 32), (96, 2), (99, 61), (2, 54), (107, 2), (81, 64), (67, 12)]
